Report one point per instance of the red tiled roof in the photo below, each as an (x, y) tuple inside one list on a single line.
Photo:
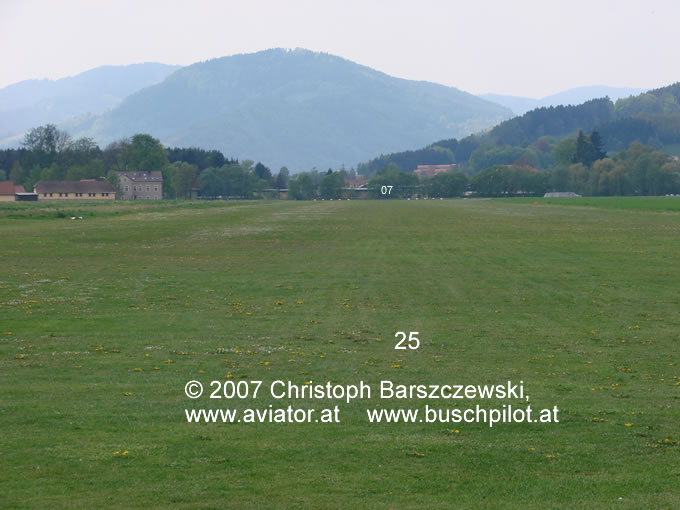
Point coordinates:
[(84, 186), (6, 188), (19, 189)]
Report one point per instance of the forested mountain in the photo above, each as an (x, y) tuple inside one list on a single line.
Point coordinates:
[(575, 96), (32, 103), (652, 118), (295, 108)]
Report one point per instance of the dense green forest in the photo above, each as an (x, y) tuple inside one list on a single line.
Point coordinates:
[(652, 118), (552, 140)]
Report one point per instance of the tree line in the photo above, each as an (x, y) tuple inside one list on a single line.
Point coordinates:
[(578, 163), (50, 154)]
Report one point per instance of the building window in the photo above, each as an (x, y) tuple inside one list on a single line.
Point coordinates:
[(91, 194), (127, 188), (148, 188), (155, 188)]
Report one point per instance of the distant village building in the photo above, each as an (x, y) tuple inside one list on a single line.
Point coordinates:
[(359, 182), (272, 194), (423, 171), (561, 194), (85, 189), (141, 185), (362, 192), (8, 191)]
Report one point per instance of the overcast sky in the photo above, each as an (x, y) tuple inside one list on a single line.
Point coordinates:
[(524, 48)]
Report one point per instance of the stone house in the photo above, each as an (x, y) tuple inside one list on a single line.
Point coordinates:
[(141, 185)]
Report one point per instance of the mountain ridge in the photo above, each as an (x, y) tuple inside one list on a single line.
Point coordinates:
[(574, 96), (296, 108), (31, 103)]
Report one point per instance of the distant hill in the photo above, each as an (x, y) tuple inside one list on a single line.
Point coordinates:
[(652, 118), (33, 103), (575, 96), (296, 108)]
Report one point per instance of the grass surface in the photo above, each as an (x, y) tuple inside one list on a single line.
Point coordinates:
[(103, 321)]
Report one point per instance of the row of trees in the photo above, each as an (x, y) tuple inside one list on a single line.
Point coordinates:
[(331, 184), (640, 170), (50, 154), (576, 164)]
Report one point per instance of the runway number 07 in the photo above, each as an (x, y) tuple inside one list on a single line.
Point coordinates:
[(412, 342)]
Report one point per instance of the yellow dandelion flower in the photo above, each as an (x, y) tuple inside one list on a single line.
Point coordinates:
[(628, 424), (124, 453), (116, 453), (128, 393)]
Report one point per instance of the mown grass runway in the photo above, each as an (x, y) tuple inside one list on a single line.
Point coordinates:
[(103, 320)]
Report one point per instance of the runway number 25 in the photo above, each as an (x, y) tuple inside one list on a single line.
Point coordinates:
[(412, 340)]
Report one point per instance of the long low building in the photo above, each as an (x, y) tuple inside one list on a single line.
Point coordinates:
[(85, 189)]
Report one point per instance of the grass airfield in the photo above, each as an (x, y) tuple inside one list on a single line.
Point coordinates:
[(104, 320)]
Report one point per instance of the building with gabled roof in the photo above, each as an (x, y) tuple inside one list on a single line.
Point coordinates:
[(423, 171), (7, 191), (141, 185), (85, 189)]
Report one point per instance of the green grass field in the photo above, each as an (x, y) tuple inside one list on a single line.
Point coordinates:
[(104, 320)]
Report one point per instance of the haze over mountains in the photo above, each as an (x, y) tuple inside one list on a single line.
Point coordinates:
[(296, 108), (575, 96), (283, 107), (32, 103)]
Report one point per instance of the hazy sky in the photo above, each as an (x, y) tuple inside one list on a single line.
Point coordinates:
[(527, 48)]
